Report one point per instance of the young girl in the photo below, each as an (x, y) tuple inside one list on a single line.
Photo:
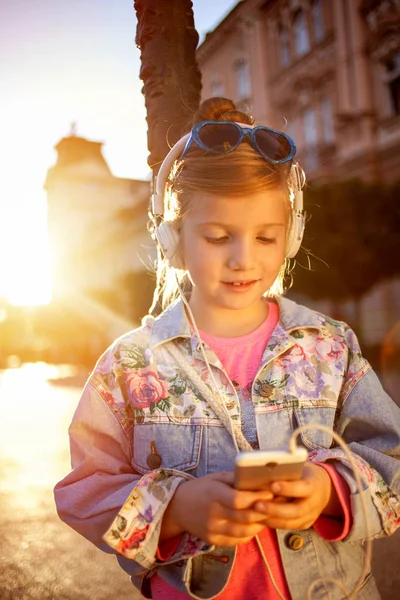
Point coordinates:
[(156, 432)]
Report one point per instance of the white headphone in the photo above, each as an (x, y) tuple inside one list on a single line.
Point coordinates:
[(168, 237)]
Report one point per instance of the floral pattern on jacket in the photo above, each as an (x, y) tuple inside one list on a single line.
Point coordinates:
[(385, 501), (137, 518), (128, 531), (158, 391), (311, 371)]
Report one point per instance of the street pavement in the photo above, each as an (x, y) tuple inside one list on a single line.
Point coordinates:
[(40, 557)]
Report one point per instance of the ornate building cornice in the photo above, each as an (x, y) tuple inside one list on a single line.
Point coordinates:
[(214, 38), (383, 21), (244, 14)]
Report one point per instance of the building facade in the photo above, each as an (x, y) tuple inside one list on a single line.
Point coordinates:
[(97, 222), (327, 73)]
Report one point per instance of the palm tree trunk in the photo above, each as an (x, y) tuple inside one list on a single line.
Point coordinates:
[(172, 82)]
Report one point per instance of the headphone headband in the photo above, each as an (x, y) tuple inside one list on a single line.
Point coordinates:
[(157, 199)]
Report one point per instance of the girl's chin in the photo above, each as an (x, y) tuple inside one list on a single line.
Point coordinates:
[(240, 302)]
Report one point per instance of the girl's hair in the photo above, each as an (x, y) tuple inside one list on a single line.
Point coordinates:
[(241, 172)]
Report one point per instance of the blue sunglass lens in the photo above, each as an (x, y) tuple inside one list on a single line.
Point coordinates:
[(219, 138), (272, 145)]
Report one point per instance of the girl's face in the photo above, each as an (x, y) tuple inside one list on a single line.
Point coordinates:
[(233, 249)]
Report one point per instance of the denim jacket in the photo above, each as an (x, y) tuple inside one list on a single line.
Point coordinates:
[(142, 428)]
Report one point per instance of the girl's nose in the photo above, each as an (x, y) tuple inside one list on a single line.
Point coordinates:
[(242, 257)]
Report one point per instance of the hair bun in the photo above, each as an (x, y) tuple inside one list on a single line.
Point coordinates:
[(221, 109)]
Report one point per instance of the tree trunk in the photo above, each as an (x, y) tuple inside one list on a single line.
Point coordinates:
[(172, 82)]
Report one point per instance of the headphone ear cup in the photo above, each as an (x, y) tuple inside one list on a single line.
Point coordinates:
[(168, 239), (295, 234)]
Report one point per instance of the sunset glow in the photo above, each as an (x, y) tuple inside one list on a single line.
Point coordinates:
[(25, 277), (66, 62)]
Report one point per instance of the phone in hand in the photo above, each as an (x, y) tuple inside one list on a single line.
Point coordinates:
[(256, 470)]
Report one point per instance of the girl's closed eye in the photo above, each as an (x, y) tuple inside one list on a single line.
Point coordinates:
[(216, 240), (266, 240)]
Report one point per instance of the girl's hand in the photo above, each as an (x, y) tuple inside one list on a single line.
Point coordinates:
[(306, 500), (212, 510)]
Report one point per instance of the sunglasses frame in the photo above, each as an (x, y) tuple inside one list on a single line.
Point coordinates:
[(244, 130)]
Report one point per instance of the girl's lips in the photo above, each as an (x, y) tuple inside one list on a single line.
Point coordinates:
[(241, 287)]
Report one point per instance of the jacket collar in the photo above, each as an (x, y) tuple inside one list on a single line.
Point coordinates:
[(173, 323), (296, 316)]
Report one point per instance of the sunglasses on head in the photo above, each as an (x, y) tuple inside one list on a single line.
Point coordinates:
[(222, 137)]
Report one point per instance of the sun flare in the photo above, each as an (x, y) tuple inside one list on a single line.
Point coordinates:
[(25, 273)]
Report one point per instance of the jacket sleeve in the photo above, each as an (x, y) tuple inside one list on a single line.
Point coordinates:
[(104, 499), (369, 422)]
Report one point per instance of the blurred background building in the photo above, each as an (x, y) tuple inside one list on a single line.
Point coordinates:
[(102, 256), (87, 206), (328, 73)]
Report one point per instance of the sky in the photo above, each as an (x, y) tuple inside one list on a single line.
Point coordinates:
[(63, 63)]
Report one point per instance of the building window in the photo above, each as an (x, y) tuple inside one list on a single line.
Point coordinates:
[(318, 20), (393, 82), (301, 37), (243, 86), (284, 47), (310, 127), (217, 88), (310, 138), (327, 120)]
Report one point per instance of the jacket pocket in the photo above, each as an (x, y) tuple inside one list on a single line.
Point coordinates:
[(315, 439), (166, 446)]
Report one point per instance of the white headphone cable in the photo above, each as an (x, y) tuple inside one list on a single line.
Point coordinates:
[(368, 549), (241, 442), (357, 476), (238, 438)]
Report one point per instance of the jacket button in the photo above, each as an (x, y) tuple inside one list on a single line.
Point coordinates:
[(154, 459), (295, 542)]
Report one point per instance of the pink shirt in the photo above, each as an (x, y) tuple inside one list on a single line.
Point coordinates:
[(241, 358)]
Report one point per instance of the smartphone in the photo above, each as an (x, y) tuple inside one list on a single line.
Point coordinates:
[(257, 470)]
